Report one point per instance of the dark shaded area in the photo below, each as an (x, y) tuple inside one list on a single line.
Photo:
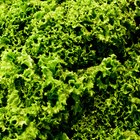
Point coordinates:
[(60, 1), (1, 50), (20, 86), (22, 68), (88, 59), (19, 83), (4, 93), (137, 20), (50, 95), (22, 25)]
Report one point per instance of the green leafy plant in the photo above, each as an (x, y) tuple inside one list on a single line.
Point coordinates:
[(69, 69)]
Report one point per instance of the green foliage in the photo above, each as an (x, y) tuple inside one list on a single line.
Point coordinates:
[(69, 69)]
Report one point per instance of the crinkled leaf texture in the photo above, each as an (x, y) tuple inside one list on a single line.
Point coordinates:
[(69, 69)]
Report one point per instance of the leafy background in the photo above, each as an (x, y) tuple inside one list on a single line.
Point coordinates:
[(69, 69)]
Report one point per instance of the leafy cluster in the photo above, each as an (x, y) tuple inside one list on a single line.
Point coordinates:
[(69, 69)]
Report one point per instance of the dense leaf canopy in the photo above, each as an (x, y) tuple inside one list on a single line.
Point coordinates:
[(69, 69)]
